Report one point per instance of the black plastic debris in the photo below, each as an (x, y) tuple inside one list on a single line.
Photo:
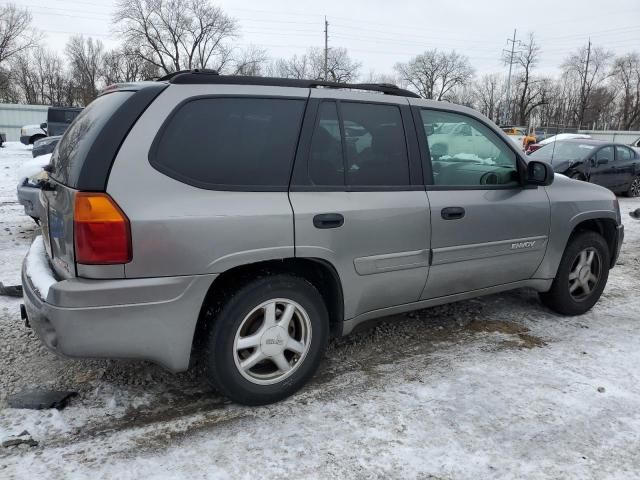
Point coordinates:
[(41, 399), (635, 214), (10, 290)]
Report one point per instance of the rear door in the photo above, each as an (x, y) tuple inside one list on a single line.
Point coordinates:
[(486, 228), (603, 169), (358, 200), (624, 167)]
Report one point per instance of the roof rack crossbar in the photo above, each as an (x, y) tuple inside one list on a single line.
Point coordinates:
[(212, 77)]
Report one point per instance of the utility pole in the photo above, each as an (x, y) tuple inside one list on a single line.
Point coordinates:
[(507, 115), (326, 48), (583, 100)]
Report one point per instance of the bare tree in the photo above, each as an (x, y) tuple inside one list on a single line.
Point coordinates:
[(9, 93), (340, 66), (434, 74), (530, 90), (86, 60), (39, 77), (124, 65), (176, 34), (588, 67), (298, 66), (488, 95), (626, 79), (250, 62), (374, 77), (16, 34)]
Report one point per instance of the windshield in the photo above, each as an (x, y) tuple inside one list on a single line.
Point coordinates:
[(563, 151)]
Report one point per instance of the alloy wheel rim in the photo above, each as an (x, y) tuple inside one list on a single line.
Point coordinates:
[(635, 187), (584, 274), (272, 341)]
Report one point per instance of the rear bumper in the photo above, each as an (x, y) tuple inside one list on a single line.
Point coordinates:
[(148, 319), (29, 197)]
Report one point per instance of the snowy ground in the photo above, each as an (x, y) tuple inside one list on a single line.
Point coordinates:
[(497, 387)]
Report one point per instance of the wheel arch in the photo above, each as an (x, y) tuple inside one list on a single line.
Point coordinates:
[(603, 222), (605, 226), (321, 273), (35, 137)]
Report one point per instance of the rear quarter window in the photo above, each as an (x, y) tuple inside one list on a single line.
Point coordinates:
[(228, 143), (68, 159)]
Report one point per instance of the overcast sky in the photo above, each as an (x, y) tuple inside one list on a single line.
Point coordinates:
[(381, 33)]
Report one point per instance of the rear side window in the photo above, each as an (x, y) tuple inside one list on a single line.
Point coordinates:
[(376, 148), (326, 165), (230, 143), (624, 153), (68, 159)]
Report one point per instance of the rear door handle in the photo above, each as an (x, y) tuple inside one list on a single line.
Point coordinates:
[(452, 213), (328, 220)]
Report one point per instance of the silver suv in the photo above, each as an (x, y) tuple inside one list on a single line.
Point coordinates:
[(257, 217)]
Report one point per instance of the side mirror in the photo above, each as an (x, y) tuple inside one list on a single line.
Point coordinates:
[(43, 125), (539, 173), (428, 129)]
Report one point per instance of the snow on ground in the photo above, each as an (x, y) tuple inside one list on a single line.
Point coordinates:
[(496, 387)]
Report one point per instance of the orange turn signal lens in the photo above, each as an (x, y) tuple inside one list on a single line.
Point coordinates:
[(102, 234)]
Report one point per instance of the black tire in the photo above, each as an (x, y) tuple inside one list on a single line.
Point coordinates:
[(578, 176), (634, 187), (559, 298), (220, 352)]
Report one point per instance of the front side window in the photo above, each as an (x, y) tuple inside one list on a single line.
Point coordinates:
[(465, 152), (604, 155), (230, 142)]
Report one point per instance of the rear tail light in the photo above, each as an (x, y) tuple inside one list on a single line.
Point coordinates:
[(101, 231)]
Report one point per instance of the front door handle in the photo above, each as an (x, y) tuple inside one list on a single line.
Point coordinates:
[(328, 220), (452, 213)]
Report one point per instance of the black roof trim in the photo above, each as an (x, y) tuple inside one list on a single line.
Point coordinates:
[(212, 77)]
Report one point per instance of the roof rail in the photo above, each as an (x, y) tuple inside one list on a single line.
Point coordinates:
[(213, 77)]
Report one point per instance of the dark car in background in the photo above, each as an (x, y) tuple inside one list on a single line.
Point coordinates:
[(45, 145), (611, 165), (59, 119)]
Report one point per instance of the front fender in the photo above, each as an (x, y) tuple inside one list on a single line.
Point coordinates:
[(572, 203)]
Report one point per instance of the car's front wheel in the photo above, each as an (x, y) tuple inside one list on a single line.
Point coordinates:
[(267, 340), (581, 276)]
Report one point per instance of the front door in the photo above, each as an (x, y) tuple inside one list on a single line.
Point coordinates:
[(487, 229), (358, 202)]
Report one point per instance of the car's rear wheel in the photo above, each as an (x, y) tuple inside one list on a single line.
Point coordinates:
[(581, 277), (267, 340), (634, 188)]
